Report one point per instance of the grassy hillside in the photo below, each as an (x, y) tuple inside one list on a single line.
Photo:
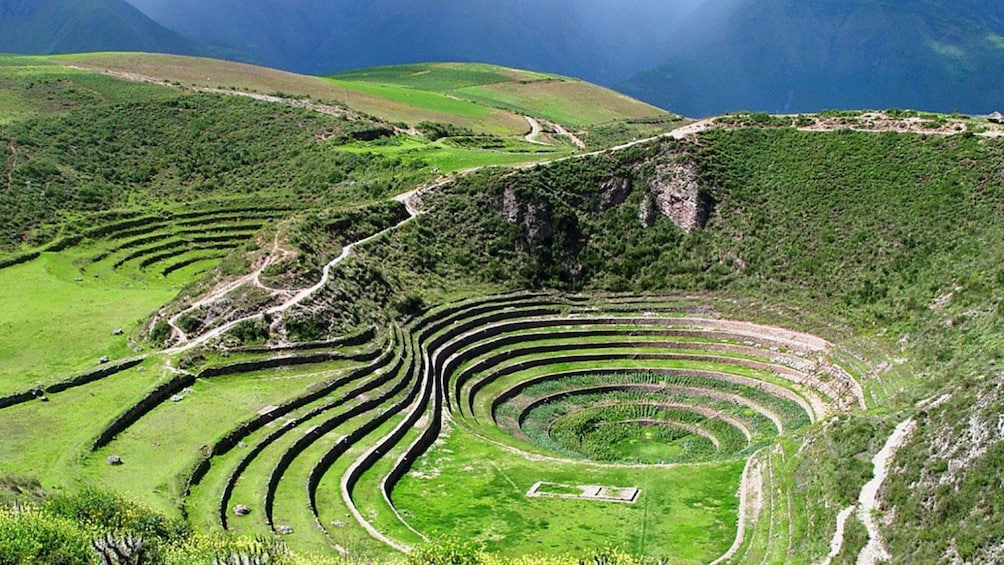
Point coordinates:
[(483, 98), (880, 241), (571, 102)]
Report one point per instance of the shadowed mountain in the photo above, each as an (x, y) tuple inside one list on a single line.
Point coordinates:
[(57, 26), (806, 56)]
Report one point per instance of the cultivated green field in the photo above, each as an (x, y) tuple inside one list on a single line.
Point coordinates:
[(59, 321), (475, 490), (470, 90)]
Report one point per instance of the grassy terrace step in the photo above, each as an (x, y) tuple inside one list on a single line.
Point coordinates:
[(122, 228), (176, 384), (720, 368), (626, 370), (371, 492), (262, 470), (750, 423), (295, 411), (187, 218), (693, 351), (167, 231), (784, 414), (179, 246), (149, 260), (211, 490), (83, 378), (405, 440), (350, 476), (761, 418), (584, 327), (332, 514), (566, 433), (400, 391), (171, 439), (69, 421), (190, 260)]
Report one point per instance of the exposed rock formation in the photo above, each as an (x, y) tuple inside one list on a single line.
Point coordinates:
[(675, 189)]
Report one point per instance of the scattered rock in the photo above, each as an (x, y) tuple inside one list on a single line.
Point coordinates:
[(241, 510), (114, 460), (103, 359), (338, 524), (117, 331), (188, 390), (242, 444), (177, 398), (285, 530)]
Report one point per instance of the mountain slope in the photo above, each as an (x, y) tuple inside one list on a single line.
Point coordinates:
[(696, 57), (55, 26), (482, 98), (586, 38), (805, 56)]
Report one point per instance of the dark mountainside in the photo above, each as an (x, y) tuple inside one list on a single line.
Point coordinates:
[(58, 26), (806, 56), (695, 57), (585, 37)]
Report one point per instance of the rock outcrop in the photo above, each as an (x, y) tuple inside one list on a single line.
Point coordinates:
[(675, 193)]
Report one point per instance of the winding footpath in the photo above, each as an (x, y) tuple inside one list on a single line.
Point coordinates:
[(410, 200), (868, 499)]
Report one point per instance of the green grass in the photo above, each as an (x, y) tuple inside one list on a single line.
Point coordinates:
[(54, 324), (419, 154), (468, 89), (163, 446), (572, 103), (440, 77), (333, 512), (49, 440), (473, 490), (421, 99)]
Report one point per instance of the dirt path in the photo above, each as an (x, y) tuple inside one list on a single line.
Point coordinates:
[(534, 131), (218, 293), (297, 298), (571, 136), (875, 551), (295, 102), (837, 542), (411, 201), (750, 502)]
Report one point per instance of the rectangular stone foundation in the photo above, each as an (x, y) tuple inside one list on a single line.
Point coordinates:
[(586, 492)]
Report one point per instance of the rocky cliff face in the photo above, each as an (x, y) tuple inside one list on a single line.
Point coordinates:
[(675, 192)]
